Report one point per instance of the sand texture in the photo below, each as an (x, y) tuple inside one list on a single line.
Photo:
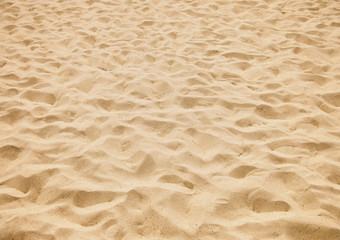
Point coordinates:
[(169, 119)]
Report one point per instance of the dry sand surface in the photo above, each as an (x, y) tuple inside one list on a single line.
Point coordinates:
[(170, 119)]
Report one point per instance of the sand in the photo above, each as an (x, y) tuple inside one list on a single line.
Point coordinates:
[(170, 119)]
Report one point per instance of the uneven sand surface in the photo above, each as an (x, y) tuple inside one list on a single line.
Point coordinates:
[(170, 119)]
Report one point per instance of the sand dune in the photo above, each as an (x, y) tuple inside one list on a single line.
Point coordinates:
[(170, 119)]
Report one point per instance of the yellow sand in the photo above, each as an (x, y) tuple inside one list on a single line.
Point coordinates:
[(170, 119)]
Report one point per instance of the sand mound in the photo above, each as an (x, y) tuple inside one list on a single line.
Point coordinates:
[(169, 119)]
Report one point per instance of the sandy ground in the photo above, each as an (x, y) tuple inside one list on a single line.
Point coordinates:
[(170, 119)]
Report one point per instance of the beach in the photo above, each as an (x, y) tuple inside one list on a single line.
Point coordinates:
[(166, 119)]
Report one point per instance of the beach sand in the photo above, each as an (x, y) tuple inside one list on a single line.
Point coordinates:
[(170, 119)]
